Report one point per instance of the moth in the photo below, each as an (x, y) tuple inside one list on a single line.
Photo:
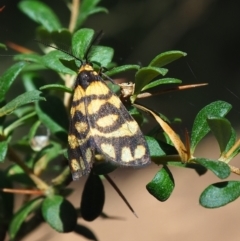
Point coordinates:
[(100, 124)]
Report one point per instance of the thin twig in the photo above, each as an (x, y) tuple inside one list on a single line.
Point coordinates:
[(38, 181), (74, 14), (120, 193), (235, 170), (22, 191), (183, 87)]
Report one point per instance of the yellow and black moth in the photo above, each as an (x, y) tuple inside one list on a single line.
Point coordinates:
[(100, 124)]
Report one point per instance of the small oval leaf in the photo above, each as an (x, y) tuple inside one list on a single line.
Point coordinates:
[(119, 69), (166, 58), (220, 169), (220, 194), (161, 82), (81, 41), (162, 184), (93, 198), (59, 213), (221, 129), (200, 125), (145, 75)]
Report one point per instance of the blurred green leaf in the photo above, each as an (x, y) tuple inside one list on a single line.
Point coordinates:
[(53, 115), (16, 174), (8, 77), (3, 150), (220, 194), (81, 41), (161, 82), (145, 75), (220, 169), (88, 7), (200, 125), (3, 46), (166, 58), (162, 184), (33, 57), (57, 87), (40, 13), (6, 203), (22, 99), (21, 216), (51, 60), (221, 129), (18, 122), (93, 198), (85, 232), (59, 213), (123, 68), (102, 168), (62, 38)]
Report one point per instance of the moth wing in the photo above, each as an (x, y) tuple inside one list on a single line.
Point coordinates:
[(80, 146), (115, 133)]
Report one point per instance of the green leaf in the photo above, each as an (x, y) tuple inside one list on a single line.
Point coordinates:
[(3, 46), (221, 129), (63, 37), (40, 13), (16, 174), (8, 77), (145, 75), (6, 203), (154, 147), (161, 82), (166, 58), (162, 184), (51, 60), (88, 7), (35, 58), (59, 213), (3, 150), (232, 141), (101, 54), (53, 115), (102, 168), (123, 68), (220, 194), (57, 87), (21, 216), (220, 169), (85, 232), (198, 168), (93, 198), (200, 125), (22, 99), (18, 122), (81, 41)]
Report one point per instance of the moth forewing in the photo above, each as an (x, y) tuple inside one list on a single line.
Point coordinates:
[(100, 122)]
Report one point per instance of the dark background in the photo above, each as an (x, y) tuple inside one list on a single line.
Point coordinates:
[(207, 30)]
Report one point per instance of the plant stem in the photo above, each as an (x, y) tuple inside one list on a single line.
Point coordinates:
[(74, 14), (38, 181)]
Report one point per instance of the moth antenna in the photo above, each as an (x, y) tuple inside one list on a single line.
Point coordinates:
[(60, 49), (95, 40)]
